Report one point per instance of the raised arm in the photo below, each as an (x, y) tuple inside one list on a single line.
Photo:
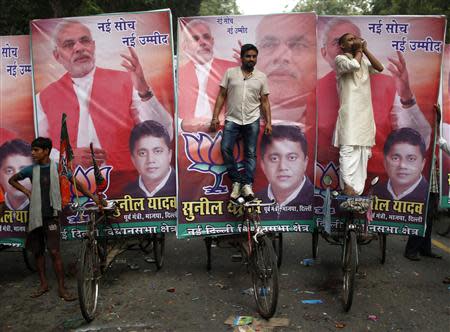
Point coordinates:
[(145, 105), (376, 64), (86, 192), (405, 110)]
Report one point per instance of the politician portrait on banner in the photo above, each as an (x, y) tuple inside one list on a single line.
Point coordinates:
[(444, 141), (16, 131), (208, 55), (402, 100), (113, 76)]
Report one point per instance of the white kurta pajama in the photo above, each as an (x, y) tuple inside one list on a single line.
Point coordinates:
[(354, 134)]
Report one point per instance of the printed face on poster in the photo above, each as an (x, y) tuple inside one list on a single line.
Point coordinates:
[(445, 132), (16, 133), (207, 48), (113, 77), (402, 102)]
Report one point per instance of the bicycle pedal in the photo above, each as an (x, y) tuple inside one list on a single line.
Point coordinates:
[(236, 258), (133, 267), (258, 234), (149, 260)]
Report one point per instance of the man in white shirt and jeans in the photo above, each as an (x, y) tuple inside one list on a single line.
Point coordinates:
[(247, 94), (355, 127)]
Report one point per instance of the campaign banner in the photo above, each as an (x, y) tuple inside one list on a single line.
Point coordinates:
[(207, 48), (113, 77), (16, 133), (445, 132), (402, 101)]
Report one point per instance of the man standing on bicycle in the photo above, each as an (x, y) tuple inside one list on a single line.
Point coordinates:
[(247, 94), (354, 134), (45, 206)]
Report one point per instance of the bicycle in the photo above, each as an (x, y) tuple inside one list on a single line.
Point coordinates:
[(257, 251), (90, 269), (98, 253), (349, 235), (443, 225)]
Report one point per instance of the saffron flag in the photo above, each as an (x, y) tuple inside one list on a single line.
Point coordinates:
[(65, 163), (100, 182)]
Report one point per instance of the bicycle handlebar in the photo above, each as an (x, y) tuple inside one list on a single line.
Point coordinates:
[(253, 203), (110, 205)]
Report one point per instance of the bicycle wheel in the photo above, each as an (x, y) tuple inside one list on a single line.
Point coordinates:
[(28, 258), (382, 243), (277, 243), (349, 269), (265, 277), (315, 243), (158, 249), (88, 274), (144, 245), (442, 227)]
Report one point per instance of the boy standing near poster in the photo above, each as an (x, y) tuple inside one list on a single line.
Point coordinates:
[(45, 206), (354, 134)]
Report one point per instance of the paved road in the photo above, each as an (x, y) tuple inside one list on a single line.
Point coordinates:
[(403, 295)]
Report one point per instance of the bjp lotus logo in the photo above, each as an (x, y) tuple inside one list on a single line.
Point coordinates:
[(203, 151), (87, 178), (328, 170)]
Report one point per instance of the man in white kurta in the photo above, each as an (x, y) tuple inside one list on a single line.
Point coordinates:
[(355, 127)]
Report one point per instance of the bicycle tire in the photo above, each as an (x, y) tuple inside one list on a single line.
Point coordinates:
[(349, 270), (315, 243), (265, 277), (88, 273), (382, 243), (277, 243), (29, 260), (442, 228), (145, 244), (159, 249)]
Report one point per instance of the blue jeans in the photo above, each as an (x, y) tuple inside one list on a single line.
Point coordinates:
[(250, 134)]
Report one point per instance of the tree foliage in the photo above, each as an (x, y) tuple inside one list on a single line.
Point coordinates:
[(334, 7), (412, 7), (15, 15), (377, 7), (218, 7)]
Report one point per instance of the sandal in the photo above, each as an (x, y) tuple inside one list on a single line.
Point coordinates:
[(39, 292), (66, 296)]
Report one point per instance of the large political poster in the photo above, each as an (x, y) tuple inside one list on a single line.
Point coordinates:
[(113, 77), (207, 47), (445, 131), (403, 95), (16, 133)]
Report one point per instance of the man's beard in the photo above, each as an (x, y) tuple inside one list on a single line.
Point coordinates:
[(248, 66), (203, 58), (81, 70)]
